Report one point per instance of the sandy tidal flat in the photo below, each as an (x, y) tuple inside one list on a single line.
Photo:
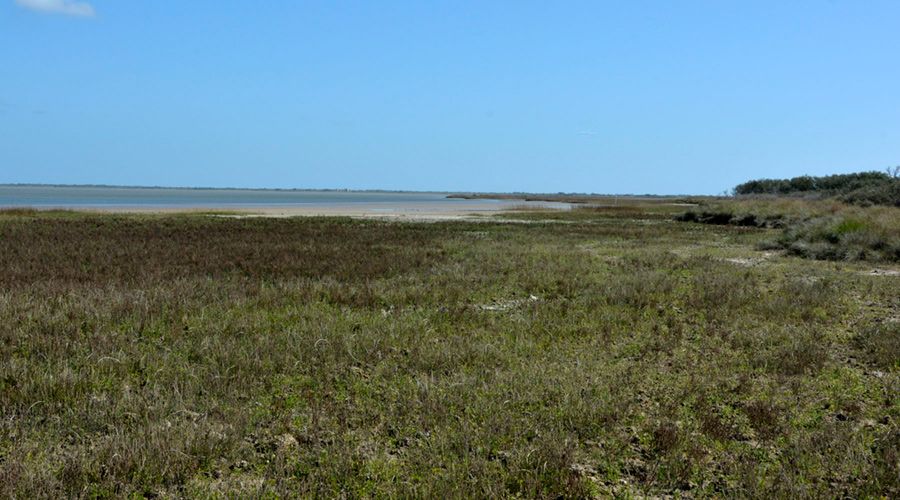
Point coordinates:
[(406, 211)]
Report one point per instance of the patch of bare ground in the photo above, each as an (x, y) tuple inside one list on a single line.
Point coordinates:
[(506, 305), (750, 261), (884, 272)]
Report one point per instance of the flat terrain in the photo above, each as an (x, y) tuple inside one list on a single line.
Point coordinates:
[(388, 211), (592, 353)]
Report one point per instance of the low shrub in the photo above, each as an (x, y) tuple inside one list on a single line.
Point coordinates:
[(822, 230), (854, 234)]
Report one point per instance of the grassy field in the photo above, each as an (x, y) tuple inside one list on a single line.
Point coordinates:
[(825, 229), (604, 352)]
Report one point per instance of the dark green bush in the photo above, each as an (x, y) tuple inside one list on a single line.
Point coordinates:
[(829, 185), (887, 193)]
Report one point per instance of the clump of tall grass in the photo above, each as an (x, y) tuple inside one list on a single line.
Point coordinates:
[(871, 234), (773, 213), (820, 229)]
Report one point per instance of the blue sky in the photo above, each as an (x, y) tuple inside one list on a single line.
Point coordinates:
[(659, 97)]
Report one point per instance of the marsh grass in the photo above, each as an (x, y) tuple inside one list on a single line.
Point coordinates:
[(871, 234), (628, 209), (189, 356), (825, 229), (881, 343)]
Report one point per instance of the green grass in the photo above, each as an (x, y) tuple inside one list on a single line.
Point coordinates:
[(615, 354), (820, 229)]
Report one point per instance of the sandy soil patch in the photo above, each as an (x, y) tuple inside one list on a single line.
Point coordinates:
[(884, 272), (750, 261), (424, 212)]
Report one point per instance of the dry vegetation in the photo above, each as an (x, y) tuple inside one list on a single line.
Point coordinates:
[(617, 355), (824, 229)]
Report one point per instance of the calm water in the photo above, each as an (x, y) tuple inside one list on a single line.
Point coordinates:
[(72, 197)]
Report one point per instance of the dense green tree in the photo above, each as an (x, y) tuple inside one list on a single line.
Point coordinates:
[(832, 185)]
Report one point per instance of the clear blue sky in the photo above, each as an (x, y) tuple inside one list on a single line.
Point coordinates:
[(613, 97)]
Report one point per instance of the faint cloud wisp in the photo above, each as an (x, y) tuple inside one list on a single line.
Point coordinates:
[(68, 7)]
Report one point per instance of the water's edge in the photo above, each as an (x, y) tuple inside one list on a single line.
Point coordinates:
[(138, 197)]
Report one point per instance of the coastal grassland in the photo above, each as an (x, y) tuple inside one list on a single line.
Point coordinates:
[(611, 355), (604, 209), (826, 229)]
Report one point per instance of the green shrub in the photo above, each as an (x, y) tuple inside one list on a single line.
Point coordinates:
[(830, 185)]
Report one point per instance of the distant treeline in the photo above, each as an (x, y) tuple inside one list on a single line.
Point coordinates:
[(829, 185), (864, 188)]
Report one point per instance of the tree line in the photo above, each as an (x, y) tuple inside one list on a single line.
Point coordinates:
[(828, 185)]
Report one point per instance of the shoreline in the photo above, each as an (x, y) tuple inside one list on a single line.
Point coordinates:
[(389, 211)]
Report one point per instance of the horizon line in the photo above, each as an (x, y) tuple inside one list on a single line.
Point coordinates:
[(345, 190)]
